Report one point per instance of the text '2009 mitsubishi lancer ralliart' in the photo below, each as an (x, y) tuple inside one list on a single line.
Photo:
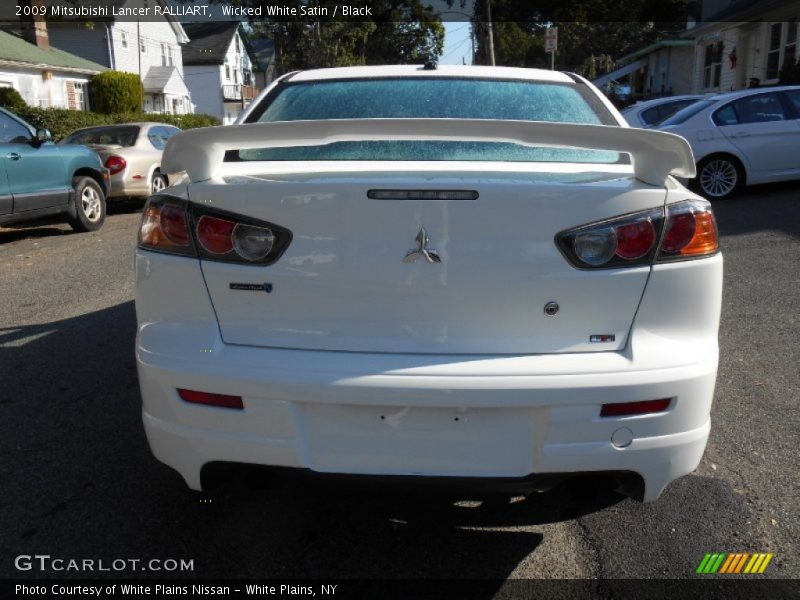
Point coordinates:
[(467, 273)]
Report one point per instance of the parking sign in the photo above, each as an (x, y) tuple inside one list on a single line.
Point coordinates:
[(551, 39)]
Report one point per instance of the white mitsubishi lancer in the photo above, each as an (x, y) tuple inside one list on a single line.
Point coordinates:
[(468, 274)]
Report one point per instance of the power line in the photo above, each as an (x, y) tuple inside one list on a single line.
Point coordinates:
[(461, 43)]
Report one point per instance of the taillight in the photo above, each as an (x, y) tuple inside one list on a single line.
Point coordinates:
[(688, 231), (175, 226), (115, 164), (691, 231), (624, 241), (165, 227)]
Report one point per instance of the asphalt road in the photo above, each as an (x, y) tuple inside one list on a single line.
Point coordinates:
[(78, 480)]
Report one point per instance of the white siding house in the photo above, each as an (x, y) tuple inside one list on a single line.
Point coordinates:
[(44, 76), (151, 49), (741, 47), (219, 69)]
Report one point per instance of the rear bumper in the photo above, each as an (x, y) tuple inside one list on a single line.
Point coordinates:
[(473, 417), (124, 185), (430, 415)]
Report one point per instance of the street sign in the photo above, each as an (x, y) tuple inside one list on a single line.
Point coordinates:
[(551, 39)]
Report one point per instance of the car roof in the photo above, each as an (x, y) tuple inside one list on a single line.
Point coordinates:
[(751, 91), (663, 100), (142, 124), (462, 71)]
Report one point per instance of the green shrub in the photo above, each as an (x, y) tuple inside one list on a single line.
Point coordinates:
[(62, 122), (11, 99), (115, 92)]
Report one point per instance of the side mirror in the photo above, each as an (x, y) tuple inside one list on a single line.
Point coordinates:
[(43, 135)]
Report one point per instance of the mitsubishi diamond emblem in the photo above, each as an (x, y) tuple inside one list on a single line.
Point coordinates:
[(422, 251)]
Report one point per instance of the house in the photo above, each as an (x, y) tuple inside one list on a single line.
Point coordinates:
[(660, 69), (151, 49), (219, 68), (743, 43), (44, 76)]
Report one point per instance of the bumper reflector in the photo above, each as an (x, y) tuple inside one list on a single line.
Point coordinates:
[(221, 400), (624, 409)]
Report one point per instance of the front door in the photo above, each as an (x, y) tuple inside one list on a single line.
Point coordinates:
[(37, 176), (765, 134)]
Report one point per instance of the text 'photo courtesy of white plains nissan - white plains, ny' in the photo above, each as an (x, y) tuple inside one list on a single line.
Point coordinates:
[(470, 274)]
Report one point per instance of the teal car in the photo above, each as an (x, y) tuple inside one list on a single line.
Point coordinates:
[(40, 179)]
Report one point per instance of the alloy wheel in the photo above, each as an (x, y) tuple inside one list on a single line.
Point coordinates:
[(158, 184), (90, 202), (718, 178)]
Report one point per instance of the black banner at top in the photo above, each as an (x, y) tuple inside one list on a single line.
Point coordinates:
[(397, 10)]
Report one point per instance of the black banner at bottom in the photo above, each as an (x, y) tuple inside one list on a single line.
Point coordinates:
[(652, 589)]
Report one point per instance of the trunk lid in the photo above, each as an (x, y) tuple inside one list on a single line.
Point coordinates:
[(343, 283)]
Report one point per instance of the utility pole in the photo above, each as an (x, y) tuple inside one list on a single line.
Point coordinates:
[(472, 42), (490, 33), (139, 53)]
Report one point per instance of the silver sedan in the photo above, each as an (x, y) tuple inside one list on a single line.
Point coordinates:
[(132, 154)]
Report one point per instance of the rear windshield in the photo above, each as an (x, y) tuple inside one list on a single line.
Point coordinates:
[(105, 136), (687, 113), (658, 113), (435, 98)]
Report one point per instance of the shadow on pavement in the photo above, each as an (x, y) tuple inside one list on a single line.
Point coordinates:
[(761, 207), (53, 226), (82, 483)]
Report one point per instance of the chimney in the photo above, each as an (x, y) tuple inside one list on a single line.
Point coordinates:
[(34, 28)]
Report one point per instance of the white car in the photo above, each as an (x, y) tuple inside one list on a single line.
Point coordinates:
[(742, 138), (652, 112), (427, 272)]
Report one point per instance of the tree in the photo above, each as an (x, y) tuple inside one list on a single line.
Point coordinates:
[(400, 31), (586, 28)]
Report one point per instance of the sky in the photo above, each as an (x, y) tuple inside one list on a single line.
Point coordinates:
[(457, 45)]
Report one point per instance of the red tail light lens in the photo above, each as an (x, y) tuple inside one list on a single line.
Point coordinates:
[(679, 232), (635, 240), (178, 227), (214, 234), (220, 400), (115, 164), (174, 225), (627, 409)]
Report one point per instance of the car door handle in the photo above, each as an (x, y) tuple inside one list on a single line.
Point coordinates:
[(13, 156), (739, 134)]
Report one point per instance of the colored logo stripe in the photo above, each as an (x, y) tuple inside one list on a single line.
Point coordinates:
[(727, 563)]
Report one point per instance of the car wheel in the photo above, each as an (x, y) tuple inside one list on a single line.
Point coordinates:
[(158, 184), (90, 205), (718, 177)]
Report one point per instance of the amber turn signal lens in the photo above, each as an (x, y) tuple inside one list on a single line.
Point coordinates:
[(705, 239)]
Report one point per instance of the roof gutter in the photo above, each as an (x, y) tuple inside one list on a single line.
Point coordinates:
[(43, 66)]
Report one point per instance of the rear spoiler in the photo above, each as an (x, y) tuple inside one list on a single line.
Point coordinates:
[(656, 154)]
